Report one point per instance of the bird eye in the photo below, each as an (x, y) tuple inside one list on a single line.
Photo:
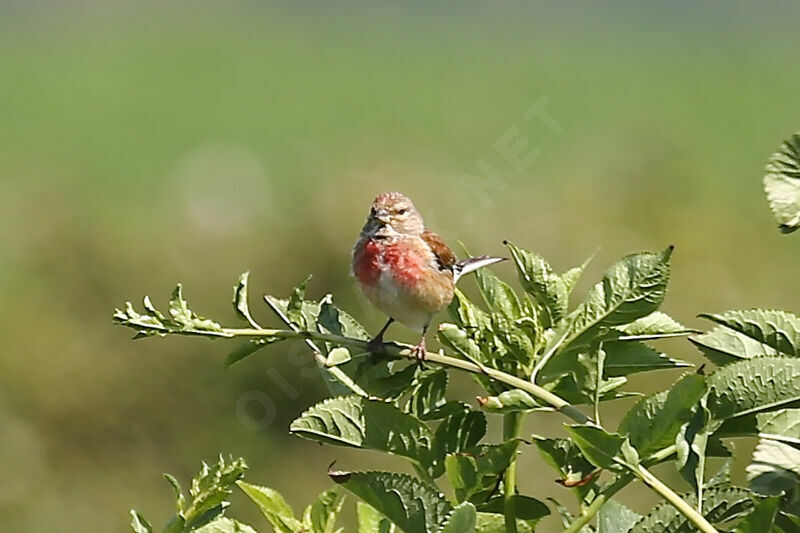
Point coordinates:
[(402, 212)]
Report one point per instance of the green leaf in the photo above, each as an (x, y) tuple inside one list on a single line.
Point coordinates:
[(779, 330), (495, 523), (722, 345), (338, 356), (783, 426), (719, 506), (656, 325), (210, 489), (459, 432), (614, 517), (325, 510), (476, 471), (466, 314), (571, 276), (186, 319), (753, 385), (782, 184), (654, 422), (427, 397), (632, 288), (499, 297), (338, 322), (139, 524), (371, 521), (414, 506), (510, 401), (525, 507), (272, 505), (224, 525), (547, 288), (180, 499), (691, 444), (566, 458), (240, 303), (762, 518), (458, 339), (775, 467), (602, 449), (461, 520), (629, 357), (358, 422)]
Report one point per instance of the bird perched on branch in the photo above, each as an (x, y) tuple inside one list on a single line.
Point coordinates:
[(404, 269)]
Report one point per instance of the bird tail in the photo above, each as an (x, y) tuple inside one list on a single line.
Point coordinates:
[(471, 264)]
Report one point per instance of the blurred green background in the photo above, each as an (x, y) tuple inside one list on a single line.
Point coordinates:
[(146, 143)]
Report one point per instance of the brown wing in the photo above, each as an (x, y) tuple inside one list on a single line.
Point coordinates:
[(444, 256)]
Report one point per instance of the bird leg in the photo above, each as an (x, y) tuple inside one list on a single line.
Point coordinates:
[(419, 350), (375, 346)]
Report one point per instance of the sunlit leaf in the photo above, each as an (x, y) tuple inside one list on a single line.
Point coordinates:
[(460, 520), (775, 467), (782, 184), (546, 287), (358, 422), (273, 506), (614, 517), (371, 521), (719, 506), (414, 506), (779, 330)]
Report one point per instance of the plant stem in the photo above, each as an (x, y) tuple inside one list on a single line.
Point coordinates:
[(665, 492), (397, 350), (512, 424)]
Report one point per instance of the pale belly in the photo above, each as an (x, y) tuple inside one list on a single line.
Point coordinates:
[(396, 301)]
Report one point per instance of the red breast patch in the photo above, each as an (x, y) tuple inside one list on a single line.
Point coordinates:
[(367, 263)]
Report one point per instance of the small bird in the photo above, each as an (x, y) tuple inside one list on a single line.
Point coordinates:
[(404, 269)]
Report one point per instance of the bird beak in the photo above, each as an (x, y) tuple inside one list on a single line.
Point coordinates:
[(382, 216)]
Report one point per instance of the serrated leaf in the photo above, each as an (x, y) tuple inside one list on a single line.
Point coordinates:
[(775, 467), (691, 446), (358, 422), (753, 385), (630, 289), (273, 506), (240, 300), (414, 506), (139, 524), (466, 314), (546, 287), (780, 330), (629, 357), (614, 517), (654, 422), (722, 345), (601, 448), (719, 506), (461, 520), (656, 325), (210, 489), (782, 184), (186, 319)]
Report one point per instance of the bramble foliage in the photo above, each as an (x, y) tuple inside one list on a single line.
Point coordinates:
[(539, 350)]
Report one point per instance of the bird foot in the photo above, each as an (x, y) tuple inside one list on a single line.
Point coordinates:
[(419, 351), (376, 346)]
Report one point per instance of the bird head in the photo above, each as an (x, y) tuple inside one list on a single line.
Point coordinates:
[(393, 214)]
